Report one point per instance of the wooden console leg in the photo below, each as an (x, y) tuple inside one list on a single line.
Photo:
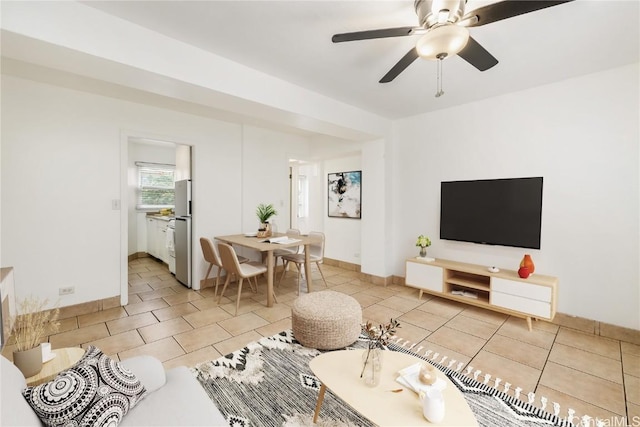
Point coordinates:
[(420, 295), (529, 324), (319, 403)]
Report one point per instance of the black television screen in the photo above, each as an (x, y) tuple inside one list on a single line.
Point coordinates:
[(505, 212)]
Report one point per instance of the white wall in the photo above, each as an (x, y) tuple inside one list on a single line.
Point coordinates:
[(582, 136)]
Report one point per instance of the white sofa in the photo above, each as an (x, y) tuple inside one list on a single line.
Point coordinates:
[(175, 398)]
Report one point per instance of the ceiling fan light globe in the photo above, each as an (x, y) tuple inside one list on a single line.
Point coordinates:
[(445, 39)]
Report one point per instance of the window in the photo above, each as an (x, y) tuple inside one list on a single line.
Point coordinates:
[(155, 186)]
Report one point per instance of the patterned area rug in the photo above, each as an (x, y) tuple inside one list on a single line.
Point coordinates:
[(269, 383)]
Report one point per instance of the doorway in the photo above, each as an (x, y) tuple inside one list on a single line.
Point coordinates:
[(139, 156)]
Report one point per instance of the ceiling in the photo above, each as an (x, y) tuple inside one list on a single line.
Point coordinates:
[(291, 40)]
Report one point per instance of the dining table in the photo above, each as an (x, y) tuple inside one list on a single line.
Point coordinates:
[(262, 245)]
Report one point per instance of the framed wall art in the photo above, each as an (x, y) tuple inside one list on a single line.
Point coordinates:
[(344, 194)]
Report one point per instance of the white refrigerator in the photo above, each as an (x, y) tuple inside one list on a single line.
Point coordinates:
[(182, 232)]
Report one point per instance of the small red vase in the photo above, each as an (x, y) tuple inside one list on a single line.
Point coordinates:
[(528, 262), (524, 272)]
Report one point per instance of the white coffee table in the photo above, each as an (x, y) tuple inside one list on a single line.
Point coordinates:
[(340, 372)]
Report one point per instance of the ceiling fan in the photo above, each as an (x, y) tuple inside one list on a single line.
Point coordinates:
[(443, 24)]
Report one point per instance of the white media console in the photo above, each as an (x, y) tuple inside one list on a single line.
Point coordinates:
[(504, 291)]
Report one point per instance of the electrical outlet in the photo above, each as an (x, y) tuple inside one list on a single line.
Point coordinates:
[(66, 291), (356, 255), (115, 204)]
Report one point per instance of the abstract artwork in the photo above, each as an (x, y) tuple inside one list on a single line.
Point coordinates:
[(345, 192)]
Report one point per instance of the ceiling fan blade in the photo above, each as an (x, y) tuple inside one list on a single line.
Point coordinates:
[(503, 10), (400, 66), (477, 55), (376, 34)]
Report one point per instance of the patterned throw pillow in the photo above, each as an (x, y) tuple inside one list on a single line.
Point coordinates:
[(96, 391)]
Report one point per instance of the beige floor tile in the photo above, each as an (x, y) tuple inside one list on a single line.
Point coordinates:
[(620, 333), (131, 322), (484, 315), (473, 326), (631, 364), (79, 309), (192, 359), (605, 394), (206, 317), (544, 325), (174, 311), (247, 305), (365, 300), (275, 313), (442, 307), (207, 302), (577, 323), (158, 284), (380, 292), (144, 306), (423, 347), (65, 325), (201, 337), (112, 302), (632, 388), (517, 374), (629, 348), (232, 344), (133, 299), (349, 288), (457, 341), (595, 344), (517, 329), (633, 413), (158, 293), (411, 333), (79, 336), (587, 362), (164, 329), (379, 314), (242, 323), (423, 319), (163, 350), (101, 316), (147, 274), (118, 343), (182, 297), (517, 351), (141, 287), (580, 407), (332, 280), (274, 328), (401, 304)]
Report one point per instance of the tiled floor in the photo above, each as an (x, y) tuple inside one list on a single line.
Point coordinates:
[(588, 373)]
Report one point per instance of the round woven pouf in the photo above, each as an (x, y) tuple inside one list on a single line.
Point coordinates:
[(326, 320)]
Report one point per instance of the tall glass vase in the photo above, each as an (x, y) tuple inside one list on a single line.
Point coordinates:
[(371, 366)]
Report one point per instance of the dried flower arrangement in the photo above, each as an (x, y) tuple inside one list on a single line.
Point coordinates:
[(33, 322), (378, 337)]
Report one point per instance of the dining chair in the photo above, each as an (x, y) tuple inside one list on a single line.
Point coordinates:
[(279, 253), (211, 256), (243, 271), (316, 254)]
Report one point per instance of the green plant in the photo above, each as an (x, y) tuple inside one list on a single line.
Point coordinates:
[(264, 212), (423, 241), (34, 322)]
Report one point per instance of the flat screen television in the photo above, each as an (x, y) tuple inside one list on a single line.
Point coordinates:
[(505, 212)]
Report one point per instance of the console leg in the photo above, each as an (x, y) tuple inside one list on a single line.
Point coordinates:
[(529, 324), (319, 404), (420, 296)]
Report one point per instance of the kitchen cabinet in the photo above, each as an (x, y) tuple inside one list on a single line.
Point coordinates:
[(157, 238)]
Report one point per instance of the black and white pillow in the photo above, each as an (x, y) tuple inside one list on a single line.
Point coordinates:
[(96, 391)]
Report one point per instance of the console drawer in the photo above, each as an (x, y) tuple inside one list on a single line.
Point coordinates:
[(423, 276), (521, 289), (532, 307)]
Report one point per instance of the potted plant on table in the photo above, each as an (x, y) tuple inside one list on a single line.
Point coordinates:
[(423, 242), (264, 213), (32, 323)]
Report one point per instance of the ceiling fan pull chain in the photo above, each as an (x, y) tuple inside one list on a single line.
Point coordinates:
[(439, 91)]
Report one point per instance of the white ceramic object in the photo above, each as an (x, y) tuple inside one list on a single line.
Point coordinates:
[(432, 405)]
